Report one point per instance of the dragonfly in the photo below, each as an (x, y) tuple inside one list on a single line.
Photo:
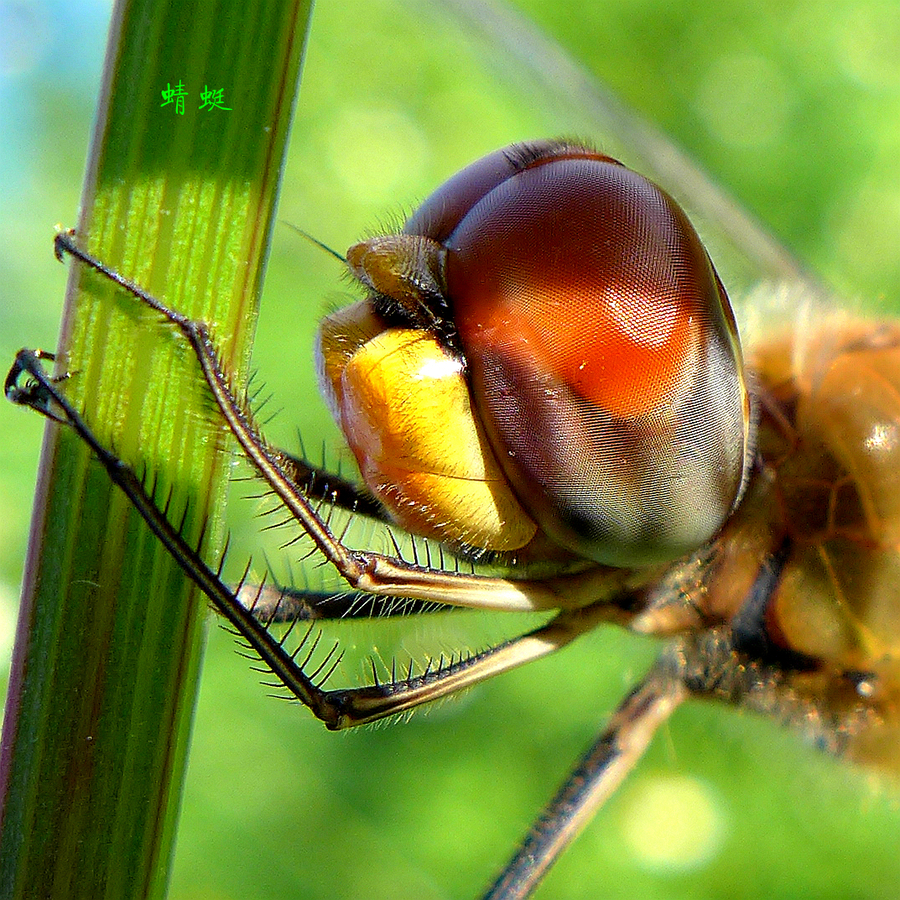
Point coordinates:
[(764, 408), (545, 377)]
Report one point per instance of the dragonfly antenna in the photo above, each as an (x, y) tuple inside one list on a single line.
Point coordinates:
[(317, 242)]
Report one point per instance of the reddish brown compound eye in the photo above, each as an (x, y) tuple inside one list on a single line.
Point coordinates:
[(601, 348), (601, 353)]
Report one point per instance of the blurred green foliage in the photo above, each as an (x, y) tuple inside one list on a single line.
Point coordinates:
[(797, 110)]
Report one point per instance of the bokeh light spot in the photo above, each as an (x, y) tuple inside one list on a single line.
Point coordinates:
[(673, 823)]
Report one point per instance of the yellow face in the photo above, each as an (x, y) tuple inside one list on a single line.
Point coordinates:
[(401, 400)]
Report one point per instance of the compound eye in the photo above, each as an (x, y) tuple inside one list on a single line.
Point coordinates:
[(602, 356)]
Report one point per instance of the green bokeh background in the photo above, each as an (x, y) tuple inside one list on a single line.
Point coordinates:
[(796, 108)]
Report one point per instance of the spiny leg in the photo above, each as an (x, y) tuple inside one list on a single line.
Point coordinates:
[(276, 604), (365, 571), (337, 708)]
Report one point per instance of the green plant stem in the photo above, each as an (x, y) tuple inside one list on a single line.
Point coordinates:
[(109, 638)]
